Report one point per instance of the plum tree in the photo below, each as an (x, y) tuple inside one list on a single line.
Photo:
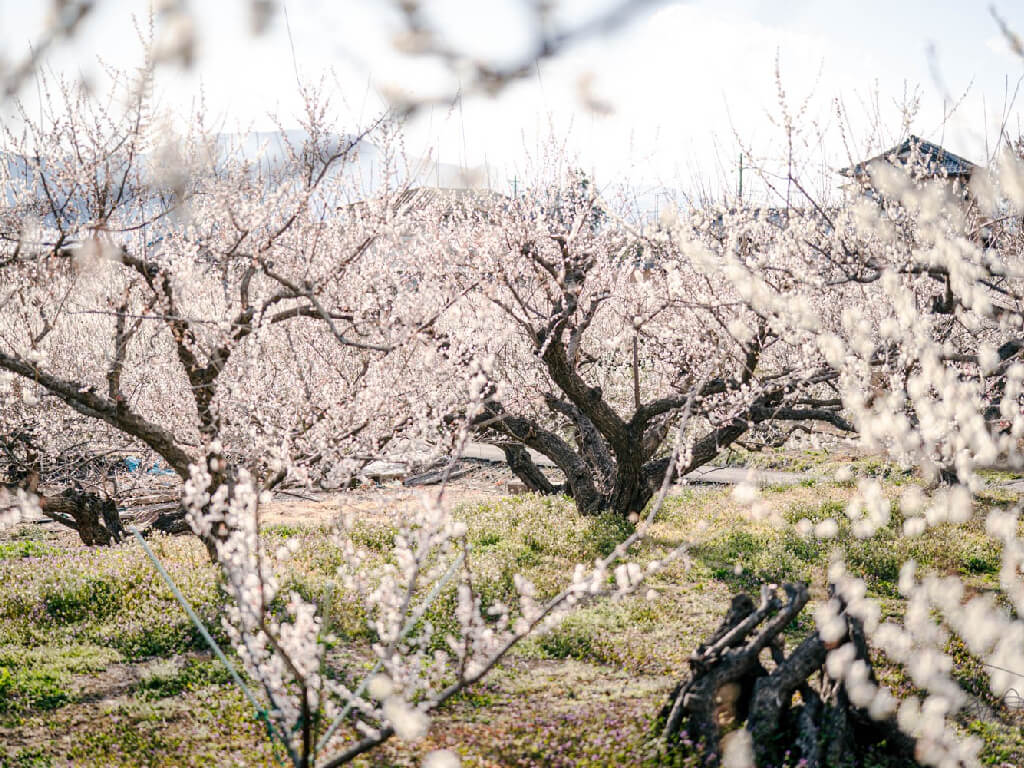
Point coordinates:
[(600, 335)]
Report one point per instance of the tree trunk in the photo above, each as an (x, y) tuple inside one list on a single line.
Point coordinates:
[(94, 517), (524, 467), (729, 687), (631, 490)]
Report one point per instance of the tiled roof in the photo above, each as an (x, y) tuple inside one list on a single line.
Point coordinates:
[(930, 160)]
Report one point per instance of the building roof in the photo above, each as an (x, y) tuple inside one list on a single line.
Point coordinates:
[(928, 160), (449, 202)]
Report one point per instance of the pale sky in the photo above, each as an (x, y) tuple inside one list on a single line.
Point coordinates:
[(687, 80)]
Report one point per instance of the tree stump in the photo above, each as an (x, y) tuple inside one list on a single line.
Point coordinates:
[(729, 687)]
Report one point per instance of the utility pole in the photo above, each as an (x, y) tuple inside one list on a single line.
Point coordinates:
[(741, 178)]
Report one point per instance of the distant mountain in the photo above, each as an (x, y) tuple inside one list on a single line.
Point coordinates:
[(269, 150), (272, 148)]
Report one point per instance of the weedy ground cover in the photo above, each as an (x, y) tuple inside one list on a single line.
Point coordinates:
[(100, 666)]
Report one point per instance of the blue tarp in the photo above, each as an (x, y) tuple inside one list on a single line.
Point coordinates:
[(135, 465)]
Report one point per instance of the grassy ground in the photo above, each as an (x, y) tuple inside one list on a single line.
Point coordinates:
[(99, 666)]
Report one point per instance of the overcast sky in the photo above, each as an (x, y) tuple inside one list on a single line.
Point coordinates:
[(688, 81)]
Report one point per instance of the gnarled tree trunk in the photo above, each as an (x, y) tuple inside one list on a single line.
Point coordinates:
[(729, 687), (616, 464), (94, 517)]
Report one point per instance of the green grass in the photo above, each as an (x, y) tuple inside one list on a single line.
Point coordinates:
[(192, 729), (751, 554), (40, 678), (1003, 743), (818, 462), (26, 689), (25, 548), (775, 459), (109, 597), (173, 679), (595, 634), (999, 475), (27, 757)]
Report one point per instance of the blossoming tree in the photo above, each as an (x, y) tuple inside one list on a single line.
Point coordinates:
[(250, 320), (241, 319), (909, 289), (600, 336)]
